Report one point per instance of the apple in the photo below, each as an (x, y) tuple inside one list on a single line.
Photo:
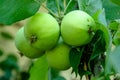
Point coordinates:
[(24, 47), (58, 57), (42, 31), (77, 28)]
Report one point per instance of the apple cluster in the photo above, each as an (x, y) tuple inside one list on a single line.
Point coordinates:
[(42, 35)]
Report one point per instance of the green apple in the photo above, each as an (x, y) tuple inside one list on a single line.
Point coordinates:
[(77, 28), (42, 31), (58, 57), (24, 47)]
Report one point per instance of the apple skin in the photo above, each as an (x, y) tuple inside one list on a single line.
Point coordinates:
[(42, 31), (58, 57), (24, 47), (77, 28)]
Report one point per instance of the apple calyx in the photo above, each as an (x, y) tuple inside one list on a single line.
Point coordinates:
[(33, 39)]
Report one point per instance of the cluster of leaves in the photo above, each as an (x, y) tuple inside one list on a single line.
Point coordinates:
[(8, 65), (95, 58)]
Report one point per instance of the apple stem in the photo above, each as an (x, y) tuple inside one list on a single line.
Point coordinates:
[(67, 6), (85, 68)]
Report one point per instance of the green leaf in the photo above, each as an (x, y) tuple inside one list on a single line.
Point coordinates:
[(70, 5), (55, 75), (100, 17), (75, 56), (1, 52), (12, 11), (116, 2), (82, 4), (55, 5), (114, 58), (82, 72), (108, 66), (112, 10), (107, 36), (6, 35), (116, 38), (113, 25), (10, 63), (93, 8), (39, 70), (59, 78), (99, 44)]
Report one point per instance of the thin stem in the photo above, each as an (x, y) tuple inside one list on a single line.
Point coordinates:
[(57, 2), (50, 11), (67, 6), (85, 68), (79, 4), (47, 8)]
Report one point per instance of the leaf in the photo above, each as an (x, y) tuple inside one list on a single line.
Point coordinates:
[(75, 57), (82, 4), (116, 2), (55, 5), (6, 35), (108, 66), (39, 70), (113, 25), (82, 72), (70, 5), (59, 78), (10, 63), (99, 44), (55, 75), (100, 17), (93, 8), (116, 38), (112, 10), (114, 58), (1, 52), (12, 11), (107, 36)]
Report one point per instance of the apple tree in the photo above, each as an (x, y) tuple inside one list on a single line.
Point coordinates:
[(80, 34)]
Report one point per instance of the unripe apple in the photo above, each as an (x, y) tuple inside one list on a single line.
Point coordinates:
[(58, 57), (42, 31), (77, 28), (24, 47)]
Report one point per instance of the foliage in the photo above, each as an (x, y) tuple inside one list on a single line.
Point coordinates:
[(94, 59)]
